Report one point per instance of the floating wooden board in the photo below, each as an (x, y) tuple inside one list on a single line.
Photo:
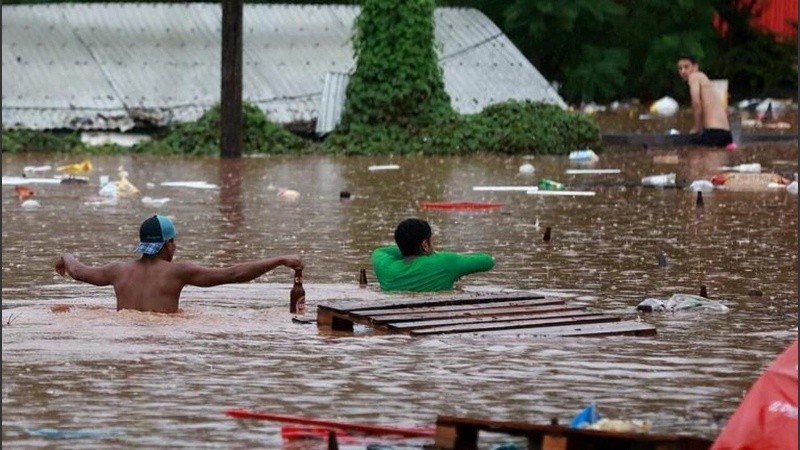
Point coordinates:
[(460, 433), (518, 313)]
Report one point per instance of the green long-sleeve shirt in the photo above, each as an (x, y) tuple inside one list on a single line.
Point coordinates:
[(425, 273)]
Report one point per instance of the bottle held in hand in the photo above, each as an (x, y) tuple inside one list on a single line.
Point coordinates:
[(297, 296)]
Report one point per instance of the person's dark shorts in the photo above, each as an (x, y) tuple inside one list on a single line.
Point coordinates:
[(712, 137)]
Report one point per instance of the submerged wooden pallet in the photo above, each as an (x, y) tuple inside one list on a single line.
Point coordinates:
[(517, 313), (459, 433)]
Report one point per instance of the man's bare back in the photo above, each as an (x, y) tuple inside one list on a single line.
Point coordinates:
[(713, 113), (154, 283)]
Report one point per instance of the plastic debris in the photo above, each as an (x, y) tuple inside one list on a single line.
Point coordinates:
[(792, 188), (667, 179), (681, 302), (150, 201), (746, 182), (109, 190), (14, 180), (546, 184), (591, 171), (30, 204), (585, 417), (81, 167), (35, 169), (701, 186), (505, 188), (23, 192), (749, 168), (586, 155), (673, 132), (527, 169), (731, 147), (124, 187), (621, 426), (288, 194), (383, 167), (665, 107), (562, 193), (189, 184)]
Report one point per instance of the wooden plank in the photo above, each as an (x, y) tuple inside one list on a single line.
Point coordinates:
[(627, 327), (456, 437), (540, 313), (331, 319), (577, 437), (476, 312), (516, 324), (453, 300), (471, 306)]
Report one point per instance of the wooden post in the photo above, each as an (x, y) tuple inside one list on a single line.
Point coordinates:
[(231, 97)]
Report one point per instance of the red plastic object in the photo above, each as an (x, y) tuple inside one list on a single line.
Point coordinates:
[(459, 205), (352, 427), (767, 417)]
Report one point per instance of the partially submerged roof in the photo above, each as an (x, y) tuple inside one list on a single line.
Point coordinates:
[(114, 66)]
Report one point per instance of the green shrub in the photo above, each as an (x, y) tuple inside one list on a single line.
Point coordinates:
[(31, 141), (202, 137), (397, 79), (511, 127)]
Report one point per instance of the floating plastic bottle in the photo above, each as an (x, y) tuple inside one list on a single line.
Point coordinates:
[(583, 155), (527, 169), (550, 185), (667, 179)]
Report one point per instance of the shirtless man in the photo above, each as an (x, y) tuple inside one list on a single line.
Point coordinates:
[(711, 126), (153, 283)]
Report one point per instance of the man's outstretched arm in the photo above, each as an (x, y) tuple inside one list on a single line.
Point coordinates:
[(68, 264), (197, 275)]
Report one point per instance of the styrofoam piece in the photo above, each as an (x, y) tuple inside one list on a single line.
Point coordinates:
[(505, 188), (591, 171), (190, 184), (563, 193), (383, 167)]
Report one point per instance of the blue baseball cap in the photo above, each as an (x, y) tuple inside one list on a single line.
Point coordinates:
[(153, 233)]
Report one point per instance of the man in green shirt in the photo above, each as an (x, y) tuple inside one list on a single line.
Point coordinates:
[(413, 265)]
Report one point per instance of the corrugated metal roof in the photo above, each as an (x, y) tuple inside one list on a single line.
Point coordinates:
[(110, 66)]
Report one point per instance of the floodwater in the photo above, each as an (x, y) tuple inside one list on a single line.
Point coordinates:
[(133, 379)]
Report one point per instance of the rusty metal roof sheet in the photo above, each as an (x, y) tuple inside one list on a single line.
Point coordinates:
[(113, 66)]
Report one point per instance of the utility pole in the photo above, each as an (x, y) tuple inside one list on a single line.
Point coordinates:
[(231, 123)]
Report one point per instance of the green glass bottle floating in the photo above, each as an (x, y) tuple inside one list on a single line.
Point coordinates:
[(546, 184)]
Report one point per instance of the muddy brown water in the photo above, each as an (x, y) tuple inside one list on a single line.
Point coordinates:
[(155, 381)]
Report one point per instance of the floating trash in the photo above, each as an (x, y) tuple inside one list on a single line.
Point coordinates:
[(189, 184), (30, 204), (288, 194), (592, 171), (383, 167), (562, 193), (14, 180), (505, 188), (527, 169), (665, 107), (701, 186), (749, 168), (667, 179), (150, 201), (586, 155)]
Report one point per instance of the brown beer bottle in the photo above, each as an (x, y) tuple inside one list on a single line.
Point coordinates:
[(297, 297)]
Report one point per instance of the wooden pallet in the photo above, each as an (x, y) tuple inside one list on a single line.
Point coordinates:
[(518, 313), (459, 433)]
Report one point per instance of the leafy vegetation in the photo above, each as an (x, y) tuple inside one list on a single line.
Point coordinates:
[(602, 50), (202, 137)]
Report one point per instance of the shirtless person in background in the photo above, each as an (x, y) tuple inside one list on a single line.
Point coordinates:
[(153, 283), (711, 127)]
